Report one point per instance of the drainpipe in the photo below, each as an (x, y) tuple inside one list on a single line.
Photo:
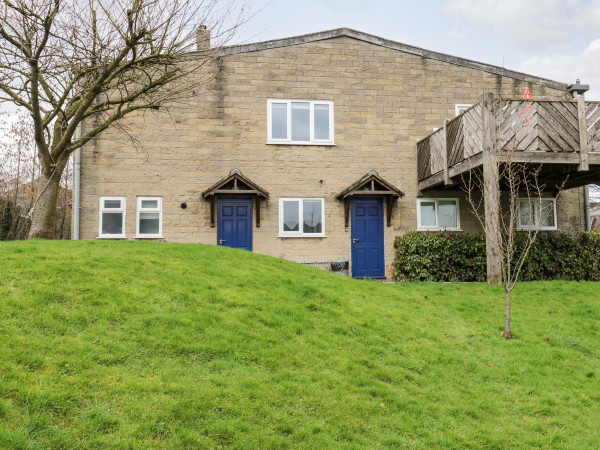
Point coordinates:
[(586, 207), (77, 187)]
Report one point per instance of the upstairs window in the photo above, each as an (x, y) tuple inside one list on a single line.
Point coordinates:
[(438, 214), (536, 213), (461, 108), (112, 217), (301, 217), (149, 217), (301, 122)]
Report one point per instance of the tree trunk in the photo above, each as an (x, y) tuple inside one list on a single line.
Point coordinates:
[(44, 211), (507, 330)]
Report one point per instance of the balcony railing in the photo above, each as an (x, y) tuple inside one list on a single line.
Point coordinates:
[(529, 126)]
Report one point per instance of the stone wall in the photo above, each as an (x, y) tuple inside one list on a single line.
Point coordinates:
[(385, 100)]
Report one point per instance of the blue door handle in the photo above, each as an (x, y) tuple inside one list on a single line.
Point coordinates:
[(354, 241)]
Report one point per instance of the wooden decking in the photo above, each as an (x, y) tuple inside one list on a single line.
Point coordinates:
[(563, 136)]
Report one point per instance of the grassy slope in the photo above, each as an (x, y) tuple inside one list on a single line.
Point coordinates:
[(145, 344)]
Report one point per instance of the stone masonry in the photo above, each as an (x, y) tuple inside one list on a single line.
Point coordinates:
[(385, 99)]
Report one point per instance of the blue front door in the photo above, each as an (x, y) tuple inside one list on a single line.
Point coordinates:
[(234, 222), (367, 238)]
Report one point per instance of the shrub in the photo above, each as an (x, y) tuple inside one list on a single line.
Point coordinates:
[(452, 256), (6, 218)]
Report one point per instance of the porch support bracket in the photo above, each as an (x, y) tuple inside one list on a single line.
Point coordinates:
[(212, 211), (389, 203)]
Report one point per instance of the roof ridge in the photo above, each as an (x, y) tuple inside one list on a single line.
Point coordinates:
[(388, 43)]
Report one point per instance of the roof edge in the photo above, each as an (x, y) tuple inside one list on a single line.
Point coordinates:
[(376, 40), (372, 174), (235, 173)]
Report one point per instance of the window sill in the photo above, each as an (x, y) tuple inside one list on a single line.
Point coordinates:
[(322, 144), (148, 237), (284, 236), (112, 237), (537, 229), (455, 230)]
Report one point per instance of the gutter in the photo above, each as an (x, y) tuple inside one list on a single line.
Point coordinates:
[(77, 187)]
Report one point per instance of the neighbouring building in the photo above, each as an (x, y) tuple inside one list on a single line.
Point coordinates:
[(302, 148), (18, 201), (595, 215)]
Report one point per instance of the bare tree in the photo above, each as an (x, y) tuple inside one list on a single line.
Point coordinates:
[(18, 170), (19, 173), (523, 207), (65, 61)]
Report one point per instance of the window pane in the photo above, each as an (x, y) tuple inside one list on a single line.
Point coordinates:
[(321, 121), (112, 203), (150, 204), (525, 214), (291, 216), (279, 120), (428, 214), (311, 213), (547, 213), (300, 121), (149, 223), (447, 214), (112, 223)]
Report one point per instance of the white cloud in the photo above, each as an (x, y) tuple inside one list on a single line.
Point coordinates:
[(567, 68), (530, 25)]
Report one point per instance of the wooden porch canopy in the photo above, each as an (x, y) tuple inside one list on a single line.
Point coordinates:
[(371, 185), (234, 184)]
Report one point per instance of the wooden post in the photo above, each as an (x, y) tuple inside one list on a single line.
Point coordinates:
[(491, 190), (583, 142), (257, 211), (389, 203), (445, 155), (347, 212), (212, 211)]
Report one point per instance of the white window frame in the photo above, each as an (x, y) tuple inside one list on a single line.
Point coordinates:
[(103, 210), (459, 106), (300, 233), (140, 210), (437, 210), (537, 214), (288, 140)]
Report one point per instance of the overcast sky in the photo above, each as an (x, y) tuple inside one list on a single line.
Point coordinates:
[(556, 39)]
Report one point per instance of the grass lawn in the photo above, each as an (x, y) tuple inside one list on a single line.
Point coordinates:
[(140, 344)]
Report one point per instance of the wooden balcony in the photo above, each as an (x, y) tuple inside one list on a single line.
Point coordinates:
[(562, 136)]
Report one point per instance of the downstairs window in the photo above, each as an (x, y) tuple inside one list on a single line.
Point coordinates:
[(537, 214), (438, 214), (149, 217), (301, 217), (112, 217)]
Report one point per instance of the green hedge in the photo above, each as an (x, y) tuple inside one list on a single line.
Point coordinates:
[(450, 256)]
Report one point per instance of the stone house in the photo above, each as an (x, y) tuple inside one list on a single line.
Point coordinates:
[(301, 148)]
